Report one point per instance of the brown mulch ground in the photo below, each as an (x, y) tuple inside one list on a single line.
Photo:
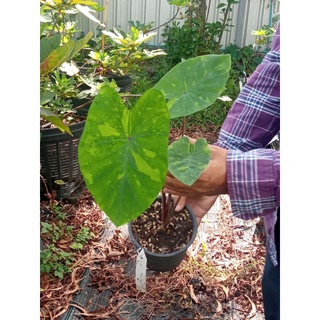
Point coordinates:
[(210, 133), (213, 273), (221, 269)]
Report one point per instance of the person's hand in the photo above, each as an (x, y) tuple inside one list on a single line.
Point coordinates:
[(200, 205), (212, 181)]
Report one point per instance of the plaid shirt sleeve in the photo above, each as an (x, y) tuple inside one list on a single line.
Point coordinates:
[(253, 171)]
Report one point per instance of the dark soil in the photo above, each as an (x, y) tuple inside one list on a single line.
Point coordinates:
[(148, 231)]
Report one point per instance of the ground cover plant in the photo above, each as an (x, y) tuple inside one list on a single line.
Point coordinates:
[(67, 233)]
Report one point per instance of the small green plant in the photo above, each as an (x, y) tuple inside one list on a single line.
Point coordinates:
[(145, 28), (81, 238), (59, 17), (55, 261), (58, 211), (65, 91), (56, 232), (263, 37), (244, 59)]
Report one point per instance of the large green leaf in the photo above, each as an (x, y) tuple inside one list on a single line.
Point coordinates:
[(187, 160), (123, 153), (47, 45), (194, 84), (61, 54)]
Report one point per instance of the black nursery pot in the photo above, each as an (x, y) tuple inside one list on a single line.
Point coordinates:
[(59, 159), (123, 82), (164, 262)]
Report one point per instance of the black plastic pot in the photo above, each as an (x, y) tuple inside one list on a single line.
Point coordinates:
[(59, 159), (123, 82), (166, 261)]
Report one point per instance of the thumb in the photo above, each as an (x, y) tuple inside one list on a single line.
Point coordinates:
[(180, 202), (192, 140)]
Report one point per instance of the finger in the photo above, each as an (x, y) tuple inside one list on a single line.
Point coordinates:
[(173, 183), (192, 140), (173, 192), (169, 174), (181, 204)]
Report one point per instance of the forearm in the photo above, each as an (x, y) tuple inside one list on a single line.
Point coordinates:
[(254, 118), (253, 180)]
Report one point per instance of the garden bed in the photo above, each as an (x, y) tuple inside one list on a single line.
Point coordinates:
[(220, 278)]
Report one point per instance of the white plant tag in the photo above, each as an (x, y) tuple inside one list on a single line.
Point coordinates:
[(141, 270)]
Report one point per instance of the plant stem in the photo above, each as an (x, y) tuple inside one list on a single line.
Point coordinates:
[(161, 25), (164, 208), (105, 14), (183, 129), (51, 196), (224, 23), (83, 105), (168, 208)]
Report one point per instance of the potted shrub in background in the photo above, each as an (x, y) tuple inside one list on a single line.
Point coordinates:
[(61, 115), (124, 152), (121, 57), (193, 35), (53, 85), (66, 93), (59, 139)]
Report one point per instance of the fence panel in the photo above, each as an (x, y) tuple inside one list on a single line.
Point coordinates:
[(247, 15)]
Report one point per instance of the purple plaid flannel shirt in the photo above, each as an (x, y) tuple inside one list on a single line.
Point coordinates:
[(253, 171)]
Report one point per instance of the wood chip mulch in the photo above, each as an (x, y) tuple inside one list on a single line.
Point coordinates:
[(220, 275)]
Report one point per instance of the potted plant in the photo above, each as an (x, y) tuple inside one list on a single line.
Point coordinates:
[(164, 235), (124, 152), (62, 101), (59, 134), (119, 57)]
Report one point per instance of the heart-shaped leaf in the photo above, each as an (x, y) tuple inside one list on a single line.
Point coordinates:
[(123, 153), (194, 84), (187, 161)]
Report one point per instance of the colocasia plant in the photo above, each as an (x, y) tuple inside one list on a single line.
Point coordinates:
[(124, 152)]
